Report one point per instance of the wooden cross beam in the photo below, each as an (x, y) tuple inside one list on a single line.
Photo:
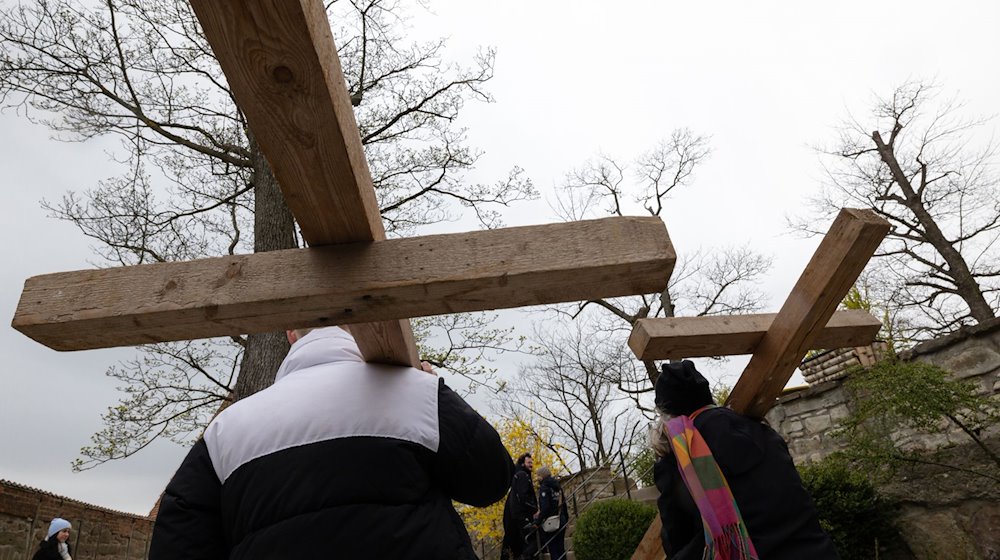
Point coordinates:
[(347, 283), (729, 335), (833, 269)]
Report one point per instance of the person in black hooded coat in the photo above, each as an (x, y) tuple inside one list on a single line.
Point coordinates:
[(551, 502), (49, 550), (779, 514), (519, 510)]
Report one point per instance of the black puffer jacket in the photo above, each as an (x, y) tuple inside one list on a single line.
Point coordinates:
[(779, 513), (339, 458)]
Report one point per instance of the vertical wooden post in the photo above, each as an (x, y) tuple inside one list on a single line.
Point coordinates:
[(79, 531), (281, 63), (101, 529)]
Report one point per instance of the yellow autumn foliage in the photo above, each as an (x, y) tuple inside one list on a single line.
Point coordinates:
[(485, 525)]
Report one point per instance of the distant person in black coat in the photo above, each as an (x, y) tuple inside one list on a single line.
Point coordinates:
[(56, 545), (551, 503), (520, 509), (778, 513)]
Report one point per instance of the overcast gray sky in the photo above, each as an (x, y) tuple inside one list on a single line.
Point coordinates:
[(766, 80)]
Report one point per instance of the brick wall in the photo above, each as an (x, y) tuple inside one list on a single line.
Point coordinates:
[(98, 533)]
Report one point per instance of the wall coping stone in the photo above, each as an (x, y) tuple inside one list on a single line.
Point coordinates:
[(942, 342), (4, 484), (807, 391)]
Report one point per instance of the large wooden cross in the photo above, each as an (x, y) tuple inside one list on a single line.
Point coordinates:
[(282, 66)]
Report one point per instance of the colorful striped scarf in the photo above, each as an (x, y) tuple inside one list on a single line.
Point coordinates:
[(726, 536)]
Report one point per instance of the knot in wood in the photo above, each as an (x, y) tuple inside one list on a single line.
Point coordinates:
[(282, 74)]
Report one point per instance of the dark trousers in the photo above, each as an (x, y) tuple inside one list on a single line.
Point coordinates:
[(513, 544), (532, 543), (556, 546)]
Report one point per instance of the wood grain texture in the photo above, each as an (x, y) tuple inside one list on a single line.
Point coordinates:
[(281, 63), (387, 342), (833, 269), (651, 548), (728, 335), (345, 284)]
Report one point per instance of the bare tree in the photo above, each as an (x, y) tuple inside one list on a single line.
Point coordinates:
[(706, 282), (169, 391), (876, 293), (926, 169), (571, 388), (587, 384), (468, 344), (195, 183)]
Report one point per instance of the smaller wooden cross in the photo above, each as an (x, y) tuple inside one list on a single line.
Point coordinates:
[(778, 342)]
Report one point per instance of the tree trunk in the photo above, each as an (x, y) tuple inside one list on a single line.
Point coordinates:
[(965, 284), (274, 229)]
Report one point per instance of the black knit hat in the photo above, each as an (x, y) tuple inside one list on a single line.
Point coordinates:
[(681, 390)]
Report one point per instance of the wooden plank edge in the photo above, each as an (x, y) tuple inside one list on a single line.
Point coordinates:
[(655, 339), (157, 306), (651, 547)]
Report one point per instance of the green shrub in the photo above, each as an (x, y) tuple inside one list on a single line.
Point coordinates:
[(611, 530), (850, 509), (895, 394)]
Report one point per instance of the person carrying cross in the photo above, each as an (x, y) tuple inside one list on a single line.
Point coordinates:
[(338, 458), (728, 487)]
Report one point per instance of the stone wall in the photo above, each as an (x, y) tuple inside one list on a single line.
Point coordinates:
[(98, 533), (806, 417), (943, 513)]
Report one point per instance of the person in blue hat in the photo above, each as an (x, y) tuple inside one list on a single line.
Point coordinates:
[(56, 543)]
